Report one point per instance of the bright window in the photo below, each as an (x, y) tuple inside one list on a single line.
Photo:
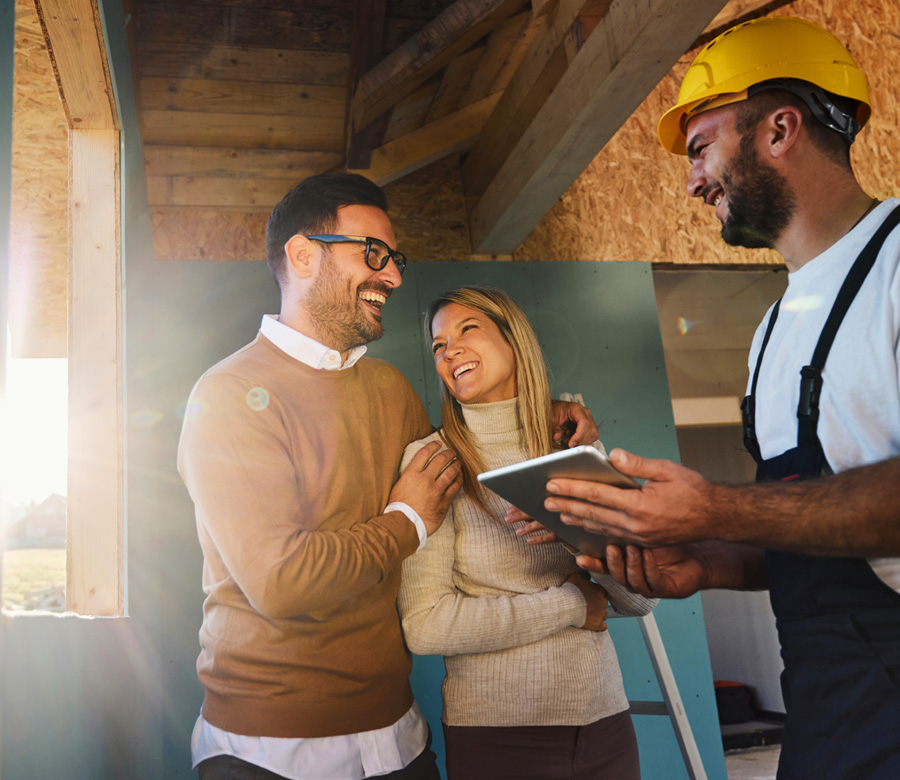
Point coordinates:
[(33, 461)]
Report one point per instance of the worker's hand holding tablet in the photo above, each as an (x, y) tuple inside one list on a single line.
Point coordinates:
[(524, 486)]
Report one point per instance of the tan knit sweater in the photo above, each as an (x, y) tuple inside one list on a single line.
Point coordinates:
[(290, 469), (497, 609)]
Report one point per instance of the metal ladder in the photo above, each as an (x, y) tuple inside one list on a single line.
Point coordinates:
[(671, 705)]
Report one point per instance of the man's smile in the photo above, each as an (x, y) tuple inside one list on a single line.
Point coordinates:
[(373, 298)]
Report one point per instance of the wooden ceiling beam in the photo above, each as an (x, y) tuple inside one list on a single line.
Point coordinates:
[(449, 34), (236, 163), (453, 133), (174, 59), (503, 52), (75, 42), (736, 11), (365, 51), (541, 68), (541, 7), (633, 47)]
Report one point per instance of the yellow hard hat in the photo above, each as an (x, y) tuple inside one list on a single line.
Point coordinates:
[(785, 48)]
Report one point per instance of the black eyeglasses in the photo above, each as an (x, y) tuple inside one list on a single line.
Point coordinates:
[(377, 252)]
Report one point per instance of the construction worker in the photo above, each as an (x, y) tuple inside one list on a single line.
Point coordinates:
[(766, 115)]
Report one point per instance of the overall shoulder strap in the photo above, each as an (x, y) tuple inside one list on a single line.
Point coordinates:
[(748, 405), (811, 375)]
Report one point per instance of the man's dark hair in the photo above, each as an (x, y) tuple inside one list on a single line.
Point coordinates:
[(311, 207), (833, 145)]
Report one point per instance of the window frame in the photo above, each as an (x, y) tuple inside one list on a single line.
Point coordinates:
[(95, 537)]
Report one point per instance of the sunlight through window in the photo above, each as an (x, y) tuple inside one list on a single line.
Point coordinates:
[(33, 459)]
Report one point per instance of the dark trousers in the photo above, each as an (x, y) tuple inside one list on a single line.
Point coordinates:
[(603, 750), (423, 767)]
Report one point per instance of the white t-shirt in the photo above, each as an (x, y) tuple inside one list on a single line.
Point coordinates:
[(859, 420)]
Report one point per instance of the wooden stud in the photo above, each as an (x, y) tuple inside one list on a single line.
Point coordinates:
[(94, 504)]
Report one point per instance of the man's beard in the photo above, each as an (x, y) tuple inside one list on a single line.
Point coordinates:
[(336, 309), (760, 202)]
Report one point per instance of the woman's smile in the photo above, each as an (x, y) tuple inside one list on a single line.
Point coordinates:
[(472, 356)]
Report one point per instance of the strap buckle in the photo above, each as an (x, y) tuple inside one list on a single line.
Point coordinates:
[(810, 393)]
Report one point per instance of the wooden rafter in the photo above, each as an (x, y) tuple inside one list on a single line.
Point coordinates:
[(368, 37), (450, 134), (75, 42), (631, 49), (738, 10), (442, 39), (445, 116), (542, 67)]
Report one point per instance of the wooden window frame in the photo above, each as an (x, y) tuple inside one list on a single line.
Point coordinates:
[(95, 549)]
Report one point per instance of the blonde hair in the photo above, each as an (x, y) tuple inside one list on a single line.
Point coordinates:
[(532, 386)]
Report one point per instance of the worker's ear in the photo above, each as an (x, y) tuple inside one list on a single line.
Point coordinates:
[(301, 256), (781, 129)]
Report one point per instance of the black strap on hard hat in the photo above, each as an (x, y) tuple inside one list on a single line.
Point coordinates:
[(819, 101)]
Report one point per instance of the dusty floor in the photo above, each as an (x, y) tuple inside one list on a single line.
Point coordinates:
[(752, 764)]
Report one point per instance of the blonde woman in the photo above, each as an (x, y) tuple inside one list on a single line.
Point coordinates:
[(533, 687)]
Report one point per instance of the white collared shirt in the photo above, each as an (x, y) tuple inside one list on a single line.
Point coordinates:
[(304, 348), (346, 756)]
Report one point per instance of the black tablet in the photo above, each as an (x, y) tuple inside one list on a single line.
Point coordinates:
[(524, 486)]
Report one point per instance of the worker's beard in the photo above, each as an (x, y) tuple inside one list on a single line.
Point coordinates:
[(760, 201)]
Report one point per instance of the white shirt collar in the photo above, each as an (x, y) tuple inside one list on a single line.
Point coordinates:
[(305, 349)]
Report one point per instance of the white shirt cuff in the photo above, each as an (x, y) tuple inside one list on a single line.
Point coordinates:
[(399, 506)]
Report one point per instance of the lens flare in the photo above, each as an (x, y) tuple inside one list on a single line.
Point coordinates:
[(805, 303), (684, 325), (146, 418), (258, 399)]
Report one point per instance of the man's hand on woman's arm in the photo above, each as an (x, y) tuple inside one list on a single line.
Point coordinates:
[(573, 424), (429, 484)]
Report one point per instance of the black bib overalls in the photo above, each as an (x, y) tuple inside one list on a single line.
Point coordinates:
[(838, 623)]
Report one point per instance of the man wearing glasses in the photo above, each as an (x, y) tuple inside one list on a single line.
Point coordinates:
[(291, 452)]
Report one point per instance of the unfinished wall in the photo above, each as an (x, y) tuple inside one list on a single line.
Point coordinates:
[(38, 224), (428, 211), (630, 203)]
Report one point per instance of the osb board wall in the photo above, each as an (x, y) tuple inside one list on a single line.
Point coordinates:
[(631, 203), (428, 213), (38, 230)]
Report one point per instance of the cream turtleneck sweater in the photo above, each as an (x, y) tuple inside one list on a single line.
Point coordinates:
[(500, 612)]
